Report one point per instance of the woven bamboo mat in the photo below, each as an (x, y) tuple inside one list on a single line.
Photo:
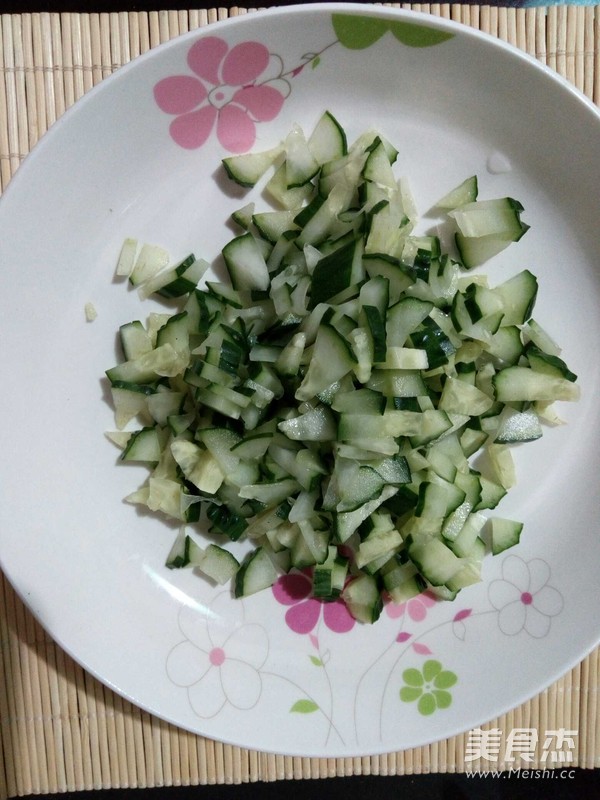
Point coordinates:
[(60, 729)]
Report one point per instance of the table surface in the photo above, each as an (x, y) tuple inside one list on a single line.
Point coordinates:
[(355, 784)]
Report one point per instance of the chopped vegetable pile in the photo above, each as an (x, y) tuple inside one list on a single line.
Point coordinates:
[(326, 403)]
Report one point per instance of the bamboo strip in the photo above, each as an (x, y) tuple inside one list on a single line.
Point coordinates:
[(60, 730), (12, 109), (11, 772), (30, 82), (5, 165), (596, 51), (37, 62)]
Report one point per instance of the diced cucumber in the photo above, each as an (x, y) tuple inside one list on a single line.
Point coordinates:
[(331, 359), (329, 577), (486, 227), (248, 168), (519, 426), (328, 140), (516, 383), (150, 260), (185, 552), (435, 561), (518, 295), (144, 445), (219, 564), (256, 573), (465, 192), (126, 259), (246, 263), (505, 533), (328, 403), (363, 598), (135, 340), (539, 361)]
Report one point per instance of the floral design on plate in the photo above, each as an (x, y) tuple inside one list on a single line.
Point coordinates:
[(234, 89), (223, 659), (429, 686), (302, 616), (219, 662), (523, 597), (231, 89), (416, 608)]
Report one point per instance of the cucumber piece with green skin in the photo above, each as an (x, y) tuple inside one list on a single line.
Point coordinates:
[(359, 401), (548, 364), (246, 263), (467, 543), (160, 362), (374, 301), (506, 345), (144, 445), (335, 272), (227, 521), (491, 493), (505, 533), (363, 598), (518, 295), (466, 192), (390, 267), (480, 302), (300, 164), (435, 561), (149, 262), (185, 552), (438, 499), (331, 360), (329, 577), (130, 400), (317, 425), (273, 224), (459, 397), (256, 573), (243, 216), (183, 278), (247, 169), (486, 227), (519, 426), (534, 332), (378, 544), (175, 332), (518, 383), (378, 168), (135, 340), (404, 318), (164, 404), (218, 564), (434, 341), (347, 522), (199, 466), (278, 190), (327, 141)]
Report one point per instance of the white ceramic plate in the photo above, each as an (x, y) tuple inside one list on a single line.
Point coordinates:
[(455, 102)]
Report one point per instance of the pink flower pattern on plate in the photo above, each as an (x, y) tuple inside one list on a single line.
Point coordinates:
[(231, 87), (416, 608), (302, 616)]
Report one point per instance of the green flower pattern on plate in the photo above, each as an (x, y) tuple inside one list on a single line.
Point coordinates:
[(428, 686), (356, 31)]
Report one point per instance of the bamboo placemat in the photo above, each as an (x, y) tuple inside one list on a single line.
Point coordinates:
[(60, 729)]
